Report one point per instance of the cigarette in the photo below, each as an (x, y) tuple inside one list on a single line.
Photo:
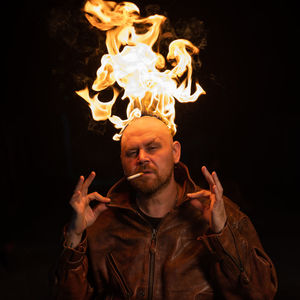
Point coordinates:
[(135, 176)]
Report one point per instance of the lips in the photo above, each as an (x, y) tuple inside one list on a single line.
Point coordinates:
[(148, 171)]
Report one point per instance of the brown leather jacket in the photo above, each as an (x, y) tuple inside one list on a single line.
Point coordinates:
[(123, 257)]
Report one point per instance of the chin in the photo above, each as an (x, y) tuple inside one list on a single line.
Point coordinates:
[(150, 186)]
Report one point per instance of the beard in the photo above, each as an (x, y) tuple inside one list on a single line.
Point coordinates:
[(150, 186)]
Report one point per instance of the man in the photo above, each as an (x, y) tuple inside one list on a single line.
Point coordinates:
[(159, 236)]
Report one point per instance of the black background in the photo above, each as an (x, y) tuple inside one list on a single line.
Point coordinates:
[(245, 127)]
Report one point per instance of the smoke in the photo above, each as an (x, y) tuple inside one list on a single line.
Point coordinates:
[(78, 46)]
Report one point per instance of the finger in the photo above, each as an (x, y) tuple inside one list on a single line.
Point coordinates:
[(217, 182), (208, 176), (217, 193), (216, 204), (202, 197), (76, 196), (75, 200), (98, 197), (88, 182), (202, 193), (213, 196), (79, 184)]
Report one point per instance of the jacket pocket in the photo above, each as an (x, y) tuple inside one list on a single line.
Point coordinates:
[(118, 277)]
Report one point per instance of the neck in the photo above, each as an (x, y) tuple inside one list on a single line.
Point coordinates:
[(161, 202)]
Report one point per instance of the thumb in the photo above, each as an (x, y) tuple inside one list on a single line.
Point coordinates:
[(99, 209), (197, 204)]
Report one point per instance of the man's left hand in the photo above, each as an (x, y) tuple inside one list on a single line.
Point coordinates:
[(213, 210)]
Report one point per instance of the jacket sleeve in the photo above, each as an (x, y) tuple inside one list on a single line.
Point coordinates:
[(71, 278), (241, 268)]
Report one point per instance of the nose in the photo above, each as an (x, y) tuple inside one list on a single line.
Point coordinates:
[(142, 157)]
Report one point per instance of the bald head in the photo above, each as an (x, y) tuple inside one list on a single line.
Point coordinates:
[(146, 126)]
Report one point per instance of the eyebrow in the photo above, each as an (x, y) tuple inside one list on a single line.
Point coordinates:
[(152, 141)]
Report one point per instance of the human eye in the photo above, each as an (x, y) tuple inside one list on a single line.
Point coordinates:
[(132, 153), (152, 147)]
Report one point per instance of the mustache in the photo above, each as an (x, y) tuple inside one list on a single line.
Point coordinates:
[(146, 169)]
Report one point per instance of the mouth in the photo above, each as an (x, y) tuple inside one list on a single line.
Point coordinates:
[(140, 173), (148, 172)]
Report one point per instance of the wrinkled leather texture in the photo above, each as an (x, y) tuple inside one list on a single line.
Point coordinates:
[(120, 255)]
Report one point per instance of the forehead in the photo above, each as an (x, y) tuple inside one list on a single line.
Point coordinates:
[(145, 130)]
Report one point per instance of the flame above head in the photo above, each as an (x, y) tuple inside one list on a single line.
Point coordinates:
[(132, 64)]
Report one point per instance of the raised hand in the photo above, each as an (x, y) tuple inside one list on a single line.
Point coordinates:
[(84, 216), (211, 202)]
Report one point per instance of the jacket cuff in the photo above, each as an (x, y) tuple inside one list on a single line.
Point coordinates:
[(74, 256)]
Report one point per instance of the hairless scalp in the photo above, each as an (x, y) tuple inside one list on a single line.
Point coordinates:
[(145, 123)]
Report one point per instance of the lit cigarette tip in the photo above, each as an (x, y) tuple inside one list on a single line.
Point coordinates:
[(135, 176)]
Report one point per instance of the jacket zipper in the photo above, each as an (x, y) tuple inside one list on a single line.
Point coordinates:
[(152, 251)]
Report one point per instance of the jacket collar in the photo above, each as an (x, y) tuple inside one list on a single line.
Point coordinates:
[(122, 194)]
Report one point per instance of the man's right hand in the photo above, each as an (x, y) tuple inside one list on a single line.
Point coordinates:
[(84, 216)]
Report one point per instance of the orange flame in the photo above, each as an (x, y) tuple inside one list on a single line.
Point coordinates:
[(136, 68)]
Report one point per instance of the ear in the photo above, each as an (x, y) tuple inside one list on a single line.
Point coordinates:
[(176, 151)]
